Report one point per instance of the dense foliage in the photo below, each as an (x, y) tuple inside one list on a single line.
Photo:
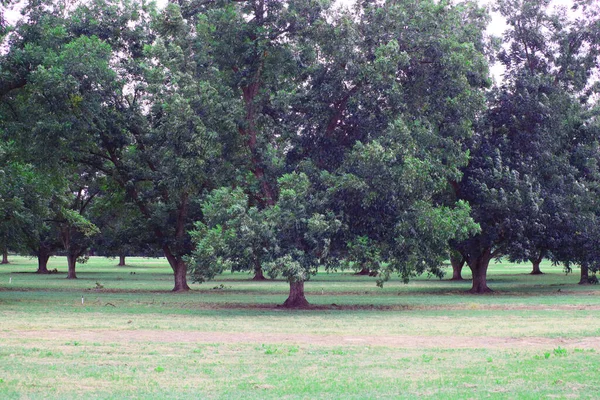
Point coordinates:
[(277, 137)]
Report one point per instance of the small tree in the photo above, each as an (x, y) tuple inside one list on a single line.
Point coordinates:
[(363, 256), (291, 238), (233, 235), (72, 218), (304, 226)]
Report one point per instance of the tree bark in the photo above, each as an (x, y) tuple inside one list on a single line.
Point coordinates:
[(176, 261), (296, 298), (457, 265), (43, 256), (267, 195), (535, 262), (121, 261), (536, 267), (479, 266), (258, 272), (71, 261), (585, 277), (180, 273), (5, 256)]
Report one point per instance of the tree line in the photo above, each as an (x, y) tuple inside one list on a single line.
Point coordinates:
[(278, 137)]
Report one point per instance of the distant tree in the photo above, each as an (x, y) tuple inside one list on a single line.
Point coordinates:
[(11, 209), (17, 179), (72, 218), (123, 230), (304, 228), (521, 174), (40, 234), (233, 236)]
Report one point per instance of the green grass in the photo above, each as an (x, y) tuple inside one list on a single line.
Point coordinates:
[(534, 337)]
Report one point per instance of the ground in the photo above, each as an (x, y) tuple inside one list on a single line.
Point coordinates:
[(535, 337)]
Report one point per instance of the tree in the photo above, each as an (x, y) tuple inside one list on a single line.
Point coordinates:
[(11, 207), (124, 231), (262, 51), (292, 238), (16, 183), (131, 91), (75, 228), (367, 130), (232, 236), (304, 229), (521, 172), (39, 233), (397, 135)]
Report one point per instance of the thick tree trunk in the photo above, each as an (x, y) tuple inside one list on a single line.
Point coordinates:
[(121, 261), (585, 277), (457, 265), (479, 266), (5, 256), (536, 267), (535, 262), (258, 272), (43, 257), (296, 298), (180, 273), (71, 261)]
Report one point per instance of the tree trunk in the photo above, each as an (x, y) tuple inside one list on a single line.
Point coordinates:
[(180, 273), (258, 272), (5, 256), (536, 263), (536, 267), (457, 265), (479, 266), (296, 298), (43, 257), (363, 271), (121, 261), (71, 261), (585, 278)]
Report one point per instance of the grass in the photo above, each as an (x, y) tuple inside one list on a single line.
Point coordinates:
[(535, 337)]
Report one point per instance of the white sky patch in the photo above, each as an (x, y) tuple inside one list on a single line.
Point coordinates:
[(13, 13)]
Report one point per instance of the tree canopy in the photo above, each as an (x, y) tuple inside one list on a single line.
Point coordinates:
[(280, 137)]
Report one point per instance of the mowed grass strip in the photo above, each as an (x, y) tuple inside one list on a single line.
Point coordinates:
[(535, 337)]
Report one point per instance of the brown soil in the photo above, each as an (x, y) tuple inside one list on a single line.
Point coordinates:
[(373, 307), (400, 341)]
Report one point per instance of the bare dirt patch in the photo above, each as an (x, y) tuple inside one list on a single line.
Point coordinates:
[(395, 307), (400, 341)]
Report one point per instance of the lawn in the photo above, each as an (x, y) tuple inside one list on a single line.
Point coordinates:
[(117, 332)]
